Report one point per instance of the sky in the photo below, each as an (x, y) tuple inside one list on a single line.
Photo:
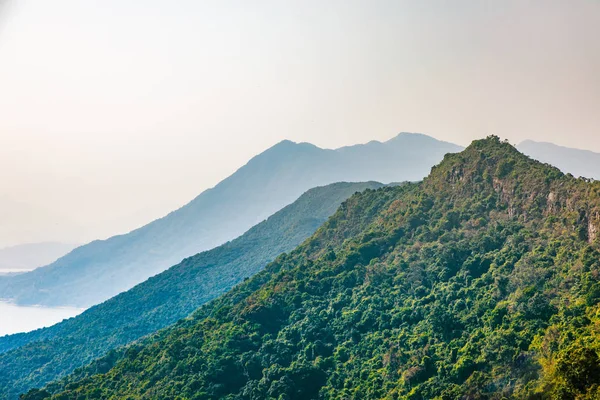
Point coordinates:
[(115, 112)]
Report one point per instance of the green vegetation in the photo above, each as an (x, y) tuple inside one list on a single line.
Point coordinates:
[(481, 282), (47, 354)]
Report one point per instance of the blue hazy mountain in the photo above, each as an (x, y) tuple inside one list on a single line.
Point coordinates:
[(99, 270), (579, 163)]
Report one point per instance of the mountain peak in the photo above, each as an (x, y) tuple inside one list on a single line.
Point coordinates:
[(418, 140), (285, 143), (483, 156), (282, 151), (488, 160), (410, 137), (288, 145), (402, 135), (493, 170), (492, 142)]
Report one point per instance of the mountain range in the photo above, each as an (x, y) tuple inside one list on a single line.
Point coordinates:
[(102, 269), (50, 353), (480, 282), (99, 270)]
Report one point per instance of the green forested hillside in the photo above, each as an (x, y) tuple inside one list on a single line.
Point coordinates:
[(481, 282), (47, 354)]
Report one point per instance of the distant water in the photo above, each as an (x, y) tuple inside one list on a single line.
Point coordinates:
[(15, 319), (9, 272)]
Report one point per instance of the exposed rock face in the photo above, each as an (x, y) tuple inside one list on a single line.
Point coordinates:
[(593, 222), (553, 203)]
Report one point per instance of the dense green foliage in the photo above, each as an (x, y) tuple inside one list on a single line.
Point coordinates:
[(47, 354), (481, 282), (273, 179)]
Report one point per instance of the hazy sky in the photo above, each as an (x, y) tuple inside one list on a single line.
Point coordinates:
[(114, 112)]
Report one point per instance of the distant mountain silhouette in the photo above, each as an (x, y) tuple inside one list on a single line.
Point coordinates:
[(97, 271), (579, 163), (32, 255)]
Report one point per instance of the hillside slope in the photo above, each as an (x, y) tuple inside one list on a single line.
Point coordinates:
[(99, 270), (481, 282), (47, 354)]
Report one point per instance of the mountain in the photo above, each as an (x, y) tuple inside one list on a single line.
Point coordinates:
[(574, 161), (480, 282), (47, 354), (29, 256), (97, 271)]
